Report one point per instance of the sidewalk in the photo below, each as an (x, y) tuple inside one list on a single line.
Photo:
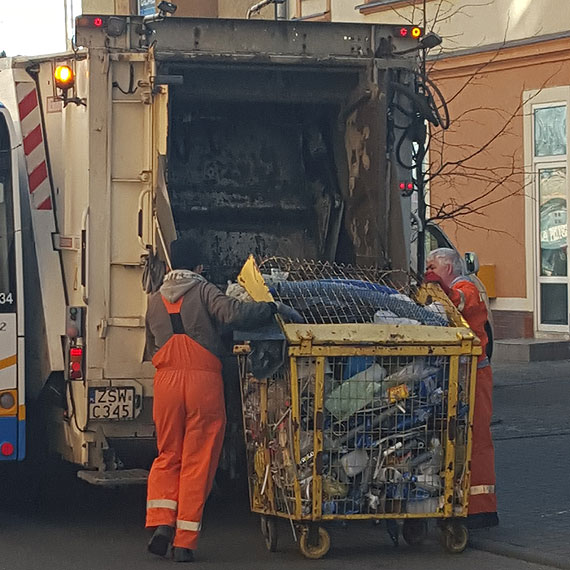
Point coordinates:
[(531, 428)]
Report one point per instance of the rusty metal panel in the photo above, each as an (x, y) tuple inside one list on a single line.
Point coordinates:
[(262, 83), (238, 185), (255, 40), (264, 38), (365, 205)]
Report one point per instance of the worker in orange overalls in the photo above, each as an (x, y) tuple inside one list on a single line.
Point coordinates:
[(444, 266), (183, 339)]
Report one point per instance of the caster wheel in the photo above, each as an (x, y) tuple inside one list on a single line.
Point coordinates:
[(269, 532), (319, 548), (454, 537), (414, 531)]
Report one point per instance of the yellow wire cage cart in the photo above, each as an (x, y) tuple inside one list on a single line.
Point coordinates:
[(361, 412)]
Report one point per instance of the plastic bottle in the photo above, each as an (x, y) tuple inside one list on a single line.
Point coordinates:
[(354, 462)]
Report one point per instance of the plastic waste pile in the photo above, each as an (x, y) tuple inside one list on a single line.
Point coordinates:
[(384, 420), (344, 300), (353, 301), (383, 434)]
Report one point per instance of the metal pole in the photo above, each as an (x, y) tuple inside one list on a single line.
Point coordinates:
[(65, 17), (420, 174), (420, 184), (281, 11)]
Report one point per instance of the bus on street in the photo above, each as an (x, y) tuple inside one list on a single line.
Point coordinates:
[(12, 388)]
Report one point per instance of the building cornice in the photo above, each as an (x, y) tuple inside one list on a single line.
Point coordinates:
[(383, 5), (500, 57)]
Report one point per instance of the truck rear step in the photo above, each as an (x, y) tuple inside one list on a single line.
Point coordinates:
[(114, 478)]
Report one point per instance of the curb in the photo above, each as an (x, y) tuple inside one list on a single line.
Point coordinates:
[(520, 553)]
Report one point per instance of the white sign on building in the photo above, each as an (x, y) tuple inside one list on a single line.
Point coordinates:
[(146, 7)]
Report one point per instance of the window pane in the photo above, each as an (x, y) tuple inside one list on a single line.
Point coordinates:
[(7, 274), (553, 228), (553, 304), (550, 131)]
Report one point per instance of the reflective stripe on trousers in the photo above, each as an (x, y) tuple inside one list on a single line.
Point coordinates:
[(482, 490), (162, 504), (189, 525)]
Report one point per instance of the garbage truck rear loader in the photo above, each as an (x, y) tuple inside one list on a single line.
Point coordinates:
[(273, 138)]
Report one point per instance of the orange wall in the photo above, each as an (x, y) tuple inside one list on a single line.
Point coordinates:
[(485, 93)]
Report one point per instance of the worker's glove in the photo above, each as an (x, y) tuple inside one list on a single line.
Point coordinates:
[(288, 313), (433, 277)]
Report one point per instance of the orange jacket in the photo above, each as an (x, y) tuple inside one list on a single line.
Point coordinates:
[(466, 297)]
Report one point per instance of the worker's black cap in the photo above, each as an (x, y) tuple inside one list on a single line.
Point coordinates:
[(184, 254)]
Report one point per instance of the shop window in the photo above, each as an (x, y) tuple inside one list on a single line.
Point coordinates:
[(554, 304), (552, 222), (549, 167)]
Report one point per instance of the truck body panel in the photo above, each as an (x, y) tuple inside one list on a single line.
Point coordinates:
[(270, 138)]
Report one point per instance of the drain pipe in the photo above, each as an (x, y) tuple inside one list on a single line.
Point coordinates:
[(281, 10), (257, 7)]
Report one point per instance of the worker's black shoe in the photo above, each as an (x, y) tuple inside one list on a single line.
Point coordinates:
[(160, 540), (182, 554), (482, 520)]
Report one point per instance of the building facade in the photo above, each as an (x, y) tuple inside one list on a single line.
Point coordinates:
[(185, 8), (498, 175)]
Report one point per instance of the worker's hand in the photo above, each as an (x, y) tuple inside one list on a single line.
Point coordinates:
[(433, 277), (288, 313)]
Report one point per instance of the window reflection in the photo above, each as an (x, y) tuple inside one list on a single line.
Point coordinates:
[(550, 131), (553, 222)]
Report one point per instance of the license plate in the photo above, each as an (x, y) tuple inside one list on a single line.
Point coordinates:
[(111, 403)]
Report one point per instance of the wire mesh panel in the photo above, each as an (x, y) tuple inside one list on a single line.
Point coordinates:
[(384, 433), (384, 429), (324, 293), (467, 366), (269, 440)]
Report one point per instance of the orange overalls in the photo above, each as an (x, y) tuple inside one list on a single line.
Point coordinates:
[(482, 498), (189, 414)]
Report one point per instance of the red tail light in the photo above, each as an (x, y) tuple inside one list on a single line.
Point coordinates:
[(76, 363), (409, 32), (91, 22), (6, 449)]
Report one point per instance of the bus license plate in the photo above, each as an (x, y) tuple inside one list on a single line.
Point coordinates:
[(111, 403)]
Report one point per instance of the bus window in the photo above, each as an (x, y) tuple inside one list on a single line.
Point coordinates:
[(7, 253)]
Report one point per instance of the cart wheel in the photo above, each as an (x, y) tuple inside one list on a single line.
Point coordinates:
[(414, 531), (269, 532), (454, 537), (319, 548)]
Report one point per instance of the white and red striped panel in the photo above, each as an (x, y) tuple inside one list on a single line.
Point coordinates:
[(34, 148)]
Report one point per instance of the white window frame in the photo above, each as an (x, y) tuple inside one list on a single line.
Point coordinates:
[(536, 99)]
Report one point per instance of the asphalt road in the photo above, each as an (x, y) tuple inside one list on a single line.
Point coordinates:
[(89, 529), (75, 526), (532, 442)]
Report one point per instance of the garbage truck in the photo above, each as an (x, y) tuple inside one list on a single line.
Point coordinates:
[(272, 138)]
